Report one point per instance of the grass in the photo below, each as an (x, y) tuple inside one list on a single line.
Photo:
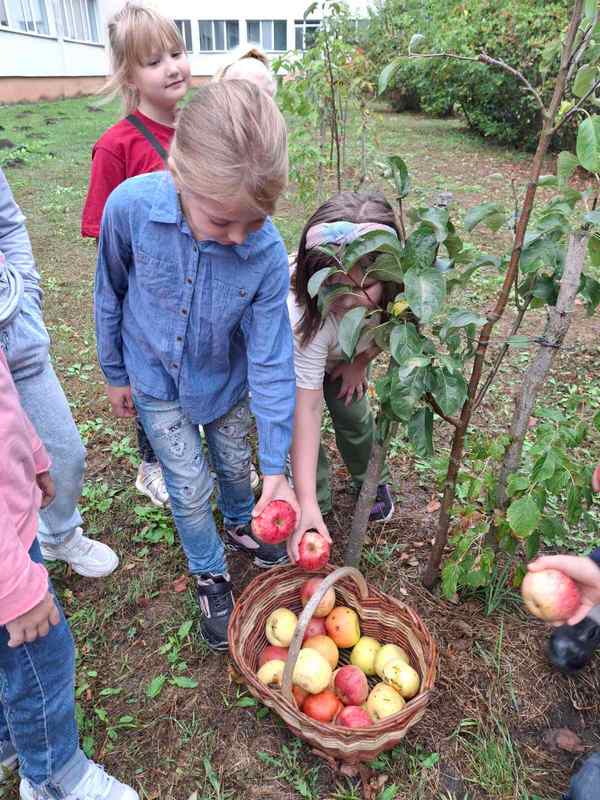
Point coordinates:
[(155, 706)]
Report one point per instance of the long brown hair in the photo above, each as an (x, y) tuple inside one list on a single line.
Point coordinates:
[(349, 206)]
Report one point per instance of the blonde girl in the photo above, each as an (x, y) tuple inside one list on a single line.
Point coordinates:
[(250, 65)]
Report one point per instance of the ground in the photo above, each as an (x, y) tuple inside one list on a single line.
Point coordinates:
[(155, 706)]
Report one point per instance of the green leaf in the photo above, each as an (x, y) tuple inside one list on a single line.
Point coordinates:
[(590, 10), (460, 318), (597, 420), (328, 294), (247, 702), (425, 292), (516, 483), (410, 365), (399, 175), (405, 342), (589, 289), (416, 40), (350, 330), (184, 629), (594, 250), (316, 280), (566, 166), (545, 289), (588, 144), (548, 180), (420, 431), (552, 529), (450, 576), (386, 268), (544, 468), (184, 682), (574, 508), (369, 243), (386, 75), (155, 686), (420, 250), (523, 516), (449, 389), (491, 214), (584, 81), (437, 218)]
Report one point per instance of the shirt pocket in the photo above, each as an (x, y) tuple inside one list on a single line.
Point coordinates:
[(156, 275), (223, 303)]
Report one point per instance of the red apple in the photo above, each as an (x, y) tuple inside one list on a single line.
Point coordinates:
[(275, 523), (300, 695), (313, 550), (596, 479), (272, 653), (316, 627), (350, 684), (326, 604), (354, 717), (323, 706), (550, 595)]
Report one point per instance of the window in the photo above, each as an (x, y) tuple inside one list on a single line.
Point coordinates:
[(184, 26), (270, 34), (305, 32), (79, 19), (218, 34), (25, 15)]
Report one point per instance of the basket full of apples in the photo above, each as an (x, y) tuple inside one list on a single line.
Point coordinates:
[(347, 667)]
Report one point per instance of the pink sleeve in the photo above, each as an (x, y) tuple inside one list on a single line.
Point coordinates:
[(41, 459)]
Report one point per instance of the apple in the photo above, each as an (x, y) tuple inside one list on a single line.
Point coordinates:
[(313, 551), (271, 673), (364, 653), (311, 671), (343, 626), (326, 646), (300, 695), (327, 603), (550, 595), (383, 701), (316, 627), (280, 627), (354, 717), (350, 685), (272, 652), (323, 706), (275, 523), (387, 652), (402, 677)]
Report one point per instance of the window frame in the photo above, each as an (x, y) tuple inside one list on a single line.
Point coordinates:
[(186, 28), (305, 25), (226, 23), (69, 21), (28, 17), (261, 23)]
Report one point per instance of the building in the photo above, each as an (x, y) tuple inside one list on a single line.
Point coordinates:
[(57, 48)]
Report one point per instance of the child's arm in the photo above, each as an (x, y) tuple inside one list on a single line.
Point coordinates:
[(112, 279), (585, 572)]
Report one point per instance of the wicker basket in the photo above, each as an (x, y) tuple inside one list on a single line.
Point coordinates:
[(381, 616)]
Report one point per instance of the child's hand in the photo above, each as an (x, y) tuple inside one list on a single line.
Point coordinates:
[(276, 487), (121, 401), (46, 487), (311, 519), (354, 379), (34, 624), (583, 571)]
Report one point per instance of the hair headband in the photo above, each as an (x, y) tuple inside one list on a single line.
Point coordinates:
[(341, 232)]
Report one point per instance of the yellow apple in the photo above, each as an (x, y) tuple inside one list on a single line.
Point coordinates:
[(312, 671), (364, 653), (402, 677), (383, 701), (326, 646), (271, 673), (280, 627), (386, 653)]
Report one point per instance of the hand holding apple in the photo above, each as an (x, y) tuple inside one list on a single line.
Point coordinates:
[(275, 523), (275, 487), (311, 519), (313, 551), (581, 582)]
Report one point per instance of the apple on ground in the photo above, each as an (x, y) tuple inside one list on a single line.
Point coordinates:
[(383, 701), (271, 653), (280, 627), (327, 602), (364, 653), (326, 646), (350, 684), (316, 627), (313, 551), (402, 677), (354, 717), (271, 673), (387, 652), (550, 595), (311, 671), (275, 523), (343, 626), (323, 706)]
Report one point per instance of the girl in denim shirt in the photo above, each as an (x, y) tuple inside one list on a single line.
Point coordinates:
[(190, 304)]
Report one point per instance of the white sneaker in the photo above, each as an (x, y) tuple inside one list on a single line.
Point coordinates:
[(254, 478), (85, 556), (150, 482), (96, 784)]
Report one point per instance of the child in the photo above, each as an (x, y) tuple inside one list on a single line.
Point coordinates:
[(250, 65), (37, 656), (321, 372), (190, 302), (152, 73)]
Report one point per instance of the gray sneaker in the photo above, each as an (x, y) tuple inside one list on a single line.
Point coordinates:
[(96, 784), (85, 556)]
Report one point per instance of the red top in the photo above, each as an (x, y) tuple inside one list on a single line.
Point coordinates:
[(120, 153)]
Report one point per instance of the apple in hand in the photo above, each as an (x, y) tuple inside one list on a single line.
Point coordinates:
[(275, 523), (550, 595), (350, 685), (313, 551), (354, 717), (327, 602)]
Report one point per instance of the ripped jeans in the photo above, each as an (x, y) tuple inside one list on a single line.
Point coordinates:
[(178, 447)]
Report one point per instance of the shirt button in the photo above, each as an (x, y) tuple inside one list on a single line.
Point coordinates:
[(188, 280), (184, 311), (175, 366), (180, 338), (242, 293)]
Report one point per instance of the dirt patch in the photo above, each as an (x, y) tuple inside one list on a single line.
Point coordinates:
[(6, 144)]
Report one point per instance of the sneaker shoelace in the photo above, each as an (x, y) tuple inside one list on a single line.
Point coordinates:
[(213, 605), (153, 475)]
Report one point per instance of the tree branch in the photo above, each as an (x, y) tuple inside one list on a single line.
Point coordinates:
[(577, 106), (429, 398)]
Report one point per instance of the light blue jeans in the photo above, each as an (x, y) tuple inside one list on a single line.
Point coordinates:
[(37, 707), (178, 447)]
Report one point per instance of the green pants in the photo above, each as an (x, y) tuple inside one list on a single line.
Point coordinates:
[(354, 429)]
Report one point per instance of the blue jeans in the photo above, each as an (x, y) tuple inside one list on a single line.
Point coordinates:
[(37, 707), (178, 447)]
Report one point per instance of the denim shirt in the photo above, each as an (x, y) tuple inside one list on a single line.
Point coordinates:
[(194, 320)]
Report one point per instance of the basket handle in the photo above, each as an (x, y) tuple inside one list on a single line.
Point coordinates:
[(306, 615)]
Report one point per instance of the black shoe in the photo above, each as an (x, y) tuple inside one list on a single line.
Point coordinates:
[(264, 555), (215, 599), (571, 647), (383, 507), (585, 784)]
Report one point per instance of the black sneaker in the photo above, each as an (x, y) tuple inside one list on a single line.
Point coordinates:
[(585, 784), (264, 555), (215, 599), (383, 507), (571, 647)]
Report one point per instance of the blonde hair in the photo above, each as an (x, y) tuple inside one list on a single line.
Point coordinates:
[(231, 142), (250, 65), (134, 34)]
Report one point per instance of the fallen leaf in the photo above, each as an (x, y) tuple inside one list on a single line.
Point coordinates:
[(180, 584), (433, 505), (403, 591), (564, 739)]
